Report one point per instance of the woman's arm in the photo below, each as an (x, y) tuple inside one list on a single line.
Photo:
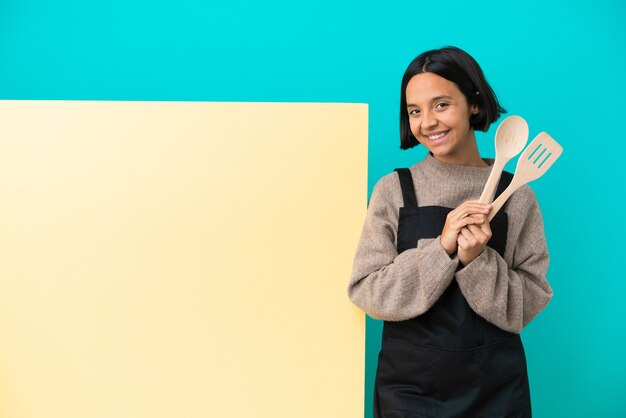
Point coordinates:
[(392, 286), (510, 295)]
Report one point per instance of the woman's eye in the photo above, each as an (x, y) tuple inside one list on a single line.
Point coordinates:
[(442, 104), (413, 112)]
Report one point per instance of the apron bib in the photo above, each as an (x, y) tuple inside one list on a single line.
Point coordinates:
[(448, 362)]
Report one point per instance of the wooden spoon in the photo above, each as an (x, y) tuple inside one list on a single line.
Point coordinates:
[(538, 156), (511, 137)]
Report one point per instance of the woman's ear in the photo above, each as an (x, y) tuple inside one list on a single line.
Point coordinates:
[(475, 107)]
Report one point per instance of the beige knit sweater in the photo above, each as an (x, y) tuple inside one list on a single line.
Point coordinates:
[(508, 292)]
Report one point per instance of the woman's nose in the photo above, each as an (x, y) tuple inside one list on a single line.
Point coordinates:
[(428, 120)]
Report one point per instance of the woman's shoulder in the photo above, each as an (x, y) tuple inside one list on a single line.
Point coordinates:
[(523, 203), (387, 180), (392, 178), (388, 187), (524, 196)]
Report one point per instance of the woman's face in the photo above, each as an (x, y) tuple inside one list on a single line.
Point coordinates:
[(439, 117)]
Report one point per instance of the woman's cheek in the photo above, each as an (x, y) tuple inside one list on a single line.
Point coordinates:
[(414, 130)]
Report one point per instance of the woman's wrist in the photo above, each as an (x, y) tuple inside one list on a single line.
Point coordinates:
[(448, 250)]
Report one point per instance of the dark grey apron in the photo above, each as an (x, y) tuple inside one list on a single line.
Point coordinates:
[(448, 362)]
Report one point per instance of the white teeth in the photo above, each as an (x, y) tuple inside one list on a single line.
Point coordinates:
[(441, 135)]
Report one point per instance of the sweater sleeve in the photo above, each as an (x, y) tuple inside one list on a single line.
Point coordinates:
[(510, 296), (392, 286)]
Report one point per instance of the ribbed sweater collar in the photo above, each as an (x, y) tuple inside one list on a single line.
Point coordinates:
[(449, 172)]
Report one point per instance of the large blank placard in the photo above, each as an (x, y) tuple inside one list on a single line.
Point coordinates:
[(177, 259)]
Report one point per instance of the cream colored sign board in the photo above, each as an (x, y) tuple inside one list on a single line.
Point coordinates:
[(177, 259)]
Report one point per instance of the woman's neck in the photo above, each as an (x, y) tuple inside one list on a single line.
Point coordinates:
[(467, 156)]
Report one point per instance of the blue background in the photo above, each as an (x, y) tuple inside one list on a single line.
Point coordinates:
[(560, 65)]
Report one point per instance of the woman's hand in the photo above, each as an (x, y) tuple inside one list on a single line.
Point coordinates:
[(468, 213), (472, 241)]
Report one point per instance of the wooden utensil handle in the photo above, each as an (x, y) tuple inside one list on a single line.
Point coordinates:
[(492, 182), (499, 202)]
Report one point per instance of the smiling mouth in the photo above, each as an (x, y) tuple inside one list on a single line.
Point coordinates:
[(438, 136)]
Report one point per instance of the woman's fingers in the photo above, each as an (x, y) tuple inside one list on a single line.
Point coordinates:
[(474, 236), (468, 213), (461, 241), (472, 207), (468, 237), (470, 219), (472, 203), (468, 208)]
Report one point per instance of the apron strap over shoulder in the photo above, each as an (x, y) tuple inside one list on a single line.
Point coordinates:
[(408, 189)]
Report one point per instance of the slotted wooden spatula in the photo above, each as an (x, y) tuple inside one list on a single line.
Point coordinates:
[(536, 159)]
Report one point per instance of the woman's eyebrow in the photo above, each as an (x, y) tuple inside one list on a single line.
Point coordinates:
[(434, 99)]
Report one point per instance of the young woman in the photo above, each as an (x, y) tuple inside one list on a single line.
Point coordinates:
[(454, 290)]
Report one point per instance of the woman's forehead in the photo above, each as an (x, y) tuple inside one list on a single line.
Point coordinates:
[(429, 87)]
